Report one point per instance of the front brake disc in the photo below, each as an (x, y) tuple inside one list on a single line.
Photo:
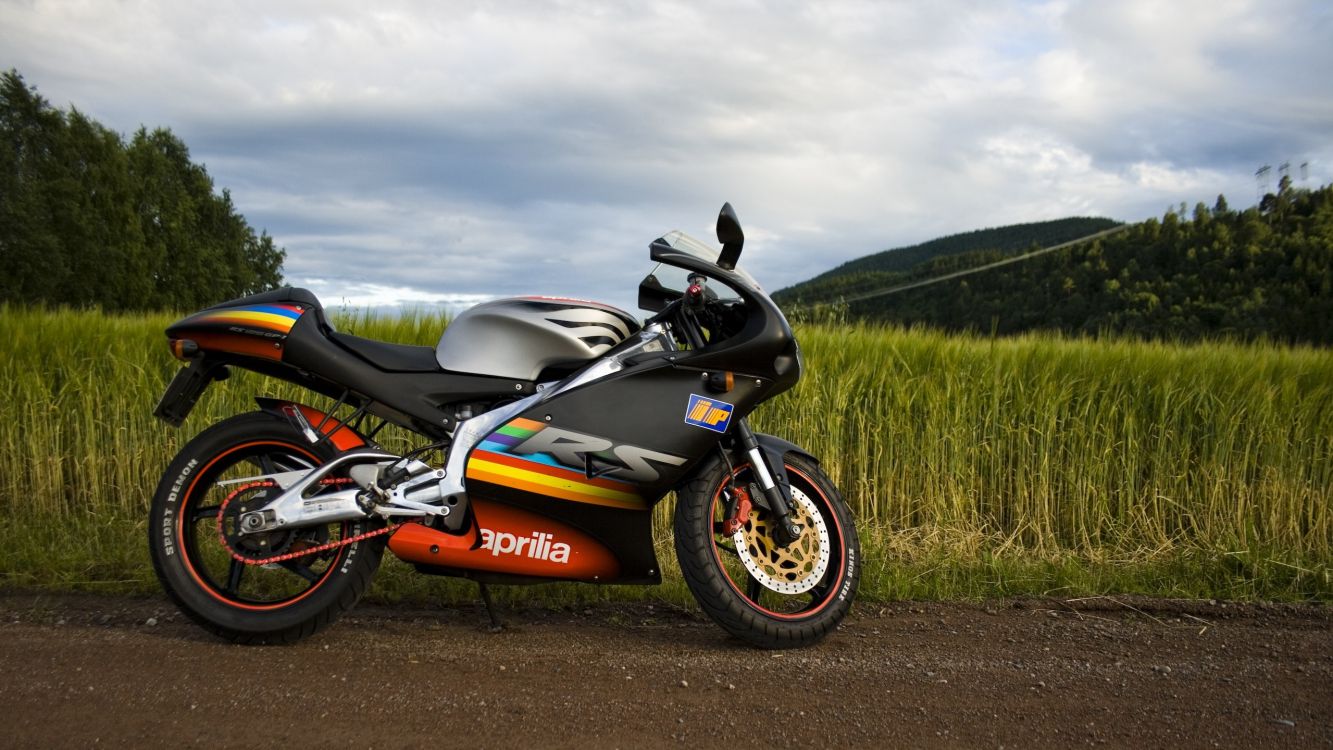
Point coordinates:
[(793, 569)]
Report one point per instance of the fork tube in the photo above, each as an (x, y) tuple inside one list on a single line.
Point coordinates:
[(777, 495)]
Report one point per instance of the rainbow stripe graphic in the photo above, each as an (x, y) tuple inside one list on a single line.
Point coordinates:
[(277, 318), (493, 461)]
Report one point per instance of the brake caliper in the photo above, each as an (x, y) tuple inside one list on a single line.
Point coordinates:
[(740, 507)]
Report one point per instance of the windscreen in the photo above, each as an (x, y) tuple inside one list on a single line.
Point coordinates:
[(676, 280)]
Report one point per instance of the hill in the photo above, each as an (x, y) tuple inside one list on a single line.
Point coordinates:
[(1007, 239), (1265, 272), (878, 267)]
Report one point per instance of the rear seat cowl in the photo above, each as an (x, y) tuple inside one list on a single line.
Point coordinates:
[(289, 294)]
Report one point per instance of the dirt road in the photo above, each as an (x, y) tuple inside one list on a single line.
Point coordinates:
[(80, 671)]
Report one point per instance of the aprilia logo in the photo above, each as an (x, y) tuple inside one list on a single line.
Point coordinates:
[(538, 546)]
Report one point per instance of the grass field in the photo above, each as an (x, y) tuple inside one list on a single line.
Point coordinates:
[(975, 466)]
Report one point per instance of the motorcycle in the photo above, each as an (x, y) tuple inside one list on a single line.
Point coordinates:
[(549, 428)]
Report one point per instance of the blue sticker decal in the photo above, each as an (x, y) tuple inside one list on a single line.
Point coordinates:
[(708, 413)]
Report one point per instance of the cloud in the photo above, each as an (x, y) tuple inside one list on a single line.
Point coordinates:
[(355, 296), (429, 150)]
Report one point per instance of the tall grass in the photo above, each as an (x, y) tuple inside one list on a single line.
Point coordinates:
[(1115, 453), (974, 466)]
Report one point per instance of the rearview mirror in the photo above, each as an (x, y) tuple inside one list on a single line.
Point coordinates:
[(730, 235)]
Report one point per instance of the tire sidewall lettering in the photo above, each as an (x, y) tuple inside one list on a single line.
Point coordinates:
[(172, 507), (850, 576), (352, 549)]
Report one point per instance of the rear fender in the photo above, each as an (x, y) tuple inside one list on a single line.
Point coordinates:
[(310, 422)]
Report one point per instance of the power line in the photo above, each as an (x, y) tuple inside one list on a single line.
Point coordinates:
[(986, 267)]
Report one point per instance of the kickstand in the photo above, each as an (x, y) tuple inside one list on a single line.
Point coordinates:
[(496, 625)]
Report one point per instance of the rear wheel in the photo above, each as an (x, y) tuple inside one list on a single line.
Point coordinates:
[(215, 574), (766, 595)]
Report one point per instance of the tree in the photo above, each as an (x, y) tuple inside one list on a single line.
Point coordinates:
[(30, 131), (87, 220)]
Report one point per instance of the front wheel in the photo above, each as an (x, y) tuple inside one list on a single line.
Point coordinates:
[(766, 595), (274, 587)]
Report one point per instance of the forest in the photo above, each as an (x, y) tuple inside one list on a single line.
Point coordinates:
[(89, 219), (1007, 239), (1265, 272)]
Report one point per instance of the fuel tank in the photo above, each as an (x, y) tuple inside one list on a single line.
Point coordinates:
[(520, 337)]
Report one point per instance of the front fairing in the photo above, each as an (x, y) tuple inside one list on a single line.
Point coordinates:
[(764, 347), (630, 426)]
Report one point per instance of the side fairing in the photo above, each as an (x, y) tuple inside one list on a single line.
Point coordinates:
[(621, 442), (511, 541), (599, 456), (532, 456)]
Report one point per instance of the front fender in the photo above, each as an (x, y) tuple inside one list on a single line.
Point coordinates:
[(775, 450)]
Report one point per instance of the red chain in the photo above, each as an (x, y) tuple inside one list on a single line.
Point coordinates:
[(222, 509)]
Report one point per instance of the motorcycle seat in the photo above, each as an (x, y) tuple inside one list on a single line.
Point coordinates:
[(389, 357), (383, 355)]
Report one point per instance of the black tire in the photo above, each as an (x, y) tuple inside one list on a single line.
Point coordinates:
[(253, 604), (745, 607)]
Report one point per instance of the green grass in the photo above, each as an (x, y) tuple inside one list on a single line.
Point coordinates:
[(975, 467)]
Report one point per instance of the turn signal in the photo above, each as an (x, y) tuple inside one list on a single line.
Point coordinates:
[(721, 382), (183, 349)]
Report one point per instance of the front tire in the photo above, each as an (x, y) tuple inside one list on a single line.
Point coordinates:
[(768, 596), (194, 511)]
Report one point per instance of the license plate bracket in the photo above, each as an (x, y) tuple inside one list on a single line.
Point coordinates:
[(186, 388)]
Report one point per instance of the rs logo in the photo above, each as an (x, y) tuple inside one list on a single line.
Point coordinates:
[(576, 449)]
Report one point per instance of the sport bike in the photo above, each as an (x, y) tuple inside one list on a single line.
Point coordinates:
[(546, 430)]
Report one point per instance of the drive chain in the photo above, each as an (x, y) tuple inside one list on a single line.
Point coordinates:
[(222, 511)]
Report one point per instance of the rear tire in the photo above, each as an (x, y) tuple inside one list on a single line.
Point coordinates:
[(243, 603), (770, 597)]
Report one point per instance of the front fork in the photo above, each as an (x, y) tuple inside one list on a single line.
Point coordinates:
[(776, 493)]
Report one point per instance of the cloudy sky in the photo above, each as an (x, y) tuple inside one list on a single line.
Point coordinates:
[(426, 151)]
